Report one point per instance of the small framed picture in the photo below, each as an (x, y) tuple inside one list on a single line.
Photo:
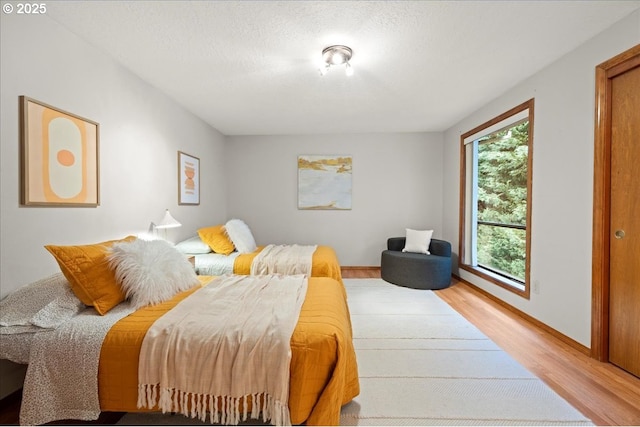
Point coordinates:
[(188, 179), (58, 157)]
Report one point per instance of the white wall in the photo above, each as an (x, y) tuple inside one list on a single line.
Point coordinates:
[(397, 183), (141, 131), (563, 147)]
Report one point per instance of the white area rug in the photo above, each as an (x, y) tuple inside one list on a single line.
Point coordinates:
[(422, 363)]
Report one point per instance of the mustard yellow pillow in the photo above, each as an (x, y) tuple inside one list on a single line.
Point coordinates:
[(217, 239), (87, 269)]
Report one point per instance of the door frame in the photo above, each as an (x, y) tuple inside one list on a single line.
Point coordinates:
[(605, 72)]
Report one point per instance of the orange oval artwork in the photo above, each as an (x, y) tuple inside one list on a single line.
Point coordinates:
[(66, 158)]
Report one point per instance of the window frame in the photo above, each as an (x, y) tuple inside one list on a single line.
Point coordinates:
[(499, 280)]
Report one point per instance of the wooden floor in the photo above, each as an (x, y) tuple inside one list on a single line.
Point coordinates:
[(602, 392)]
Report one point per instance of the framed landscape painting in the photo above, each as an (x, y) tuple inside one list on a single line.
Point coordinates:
[(324, 182), (188, 179), (59, 157)]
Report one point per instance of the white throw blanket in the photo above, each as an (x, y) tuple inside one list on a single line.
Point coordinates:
[(284, 259), (224, 344)]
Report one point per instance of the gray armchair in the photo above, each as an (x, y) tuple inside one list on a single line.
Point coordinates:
[(413, 270)]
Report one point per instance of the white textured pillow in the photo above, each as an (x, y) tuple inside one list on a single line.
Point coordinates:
[(193, 245), (418, 241), (241, 236), (151, 272)]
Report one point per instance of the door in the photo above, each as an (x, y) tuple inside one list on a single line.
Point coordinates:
[(624, 240)]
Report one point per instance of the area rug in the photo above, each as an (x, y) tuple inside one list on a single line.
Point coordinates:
[(421, 363)]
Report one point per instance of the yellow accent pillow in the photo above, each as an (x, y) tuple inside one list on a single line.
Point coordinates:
[(87, 269), (217, 239)]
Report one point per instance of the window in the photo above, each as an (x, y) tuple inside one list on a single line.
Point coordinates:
[(495, 203)]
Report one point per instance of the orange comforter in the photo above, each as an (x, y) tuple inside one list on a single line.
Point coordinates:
[(324, 372), (324, 263)]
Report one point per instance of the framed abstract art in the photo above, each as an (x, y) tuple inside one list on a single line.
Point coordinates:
[(188, 179), (324, 182), (59, 157)]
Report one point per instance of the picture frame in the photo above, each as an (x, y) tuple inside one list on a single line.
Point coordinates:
[(188, 179), (59, 157), (324, 182)]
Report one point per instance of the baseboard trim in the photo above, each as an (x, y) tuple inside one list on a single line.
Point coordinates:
[(359, 268), (548, 329)]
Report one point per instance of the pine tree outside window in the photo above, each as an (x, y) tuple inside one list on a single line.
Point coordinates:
[(496, 199)]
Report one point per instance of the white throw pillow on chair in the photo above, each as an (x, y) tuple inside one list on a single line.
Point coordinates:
[(418, 241)]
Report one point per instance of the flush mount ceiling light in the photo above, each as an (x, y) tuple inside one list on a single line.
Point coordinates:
[(337, 55)]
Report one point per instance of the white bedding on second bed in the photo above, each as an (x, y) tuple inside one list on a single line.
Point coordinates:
[(214, 264)]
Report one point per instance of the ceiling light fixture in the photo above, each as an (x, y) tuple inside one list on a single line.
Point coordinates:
[(337, 55)]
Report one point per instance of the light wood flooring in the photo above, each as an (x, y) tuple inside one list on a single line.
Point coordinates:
[(601, 391)]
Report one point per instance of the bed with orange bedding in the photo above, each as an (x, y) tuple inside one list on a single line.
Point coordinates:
[(324, 374), (324, 263)]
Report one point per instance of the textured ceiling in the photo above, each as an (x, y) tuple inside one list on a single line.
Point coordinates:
[(251, 67)]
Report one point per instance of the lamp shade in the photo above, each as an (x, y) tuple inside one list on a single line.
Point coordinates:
[(168, 221)]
